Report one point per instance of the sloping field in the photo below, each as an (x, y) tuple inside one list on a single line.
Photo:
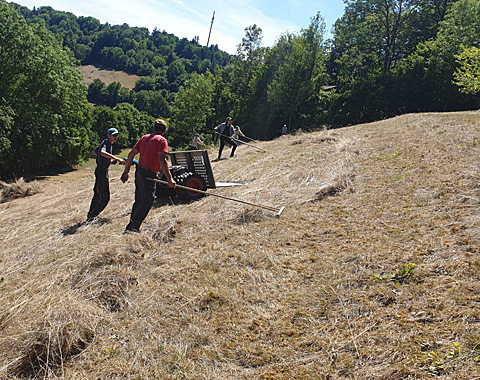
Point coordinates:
[(371, 272), (90, 73)]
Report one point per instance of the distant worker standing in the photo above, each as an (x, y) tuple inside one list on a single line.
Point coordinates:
[(284, 129), (196, 141), (101, 189), (153, 149), (225, 131)]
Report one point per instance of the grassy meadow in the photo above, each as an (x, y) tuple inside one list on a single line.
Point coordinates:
[(90, 73), (372, 271)]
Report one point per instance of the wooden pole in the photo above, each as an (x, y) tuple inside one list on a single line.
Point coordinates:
[(243, 142), (278, 211), (246, 137), (213, 18)]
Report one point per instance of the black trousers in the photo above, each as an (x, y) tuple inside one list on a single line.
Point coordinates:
[(144, 197), (227, 140), (101, 193)]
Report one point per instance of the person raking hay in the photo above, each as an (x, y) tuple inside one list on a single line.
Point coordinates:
[(153, 149), (104, 158)]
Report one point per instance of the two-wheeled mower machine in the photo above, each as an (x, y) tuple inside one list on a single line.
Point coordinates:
[(192, 172)]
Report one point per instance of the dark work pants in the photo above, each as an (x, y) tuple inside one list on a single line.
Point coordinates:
[(144, 197), (101, 193), (228, 140)]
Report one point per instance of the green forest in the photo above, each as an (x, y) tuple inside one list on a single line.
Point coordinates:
[(383, 58)]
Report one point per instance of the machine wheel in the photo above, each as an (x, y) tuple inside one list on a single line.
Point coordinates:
[(182, 177), (194, 181)]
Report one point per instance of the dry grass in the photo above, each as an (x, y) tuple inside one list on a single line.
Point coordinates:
[(90, 73), (63, 333), (378, 279), (18, 189)]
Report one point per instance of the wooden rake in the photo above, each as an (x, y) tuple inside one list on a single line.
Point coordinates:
[(242, 142), (276, 210)]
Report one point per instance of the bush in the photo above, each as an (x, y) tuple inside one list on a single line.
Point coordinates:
[(44, 110)]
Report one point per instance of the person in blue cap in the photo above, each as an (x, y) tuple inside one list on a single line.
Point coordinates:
[(101, 189)]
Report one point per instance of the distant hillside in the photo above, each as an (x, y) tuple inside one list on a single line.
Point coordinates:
[(165, 58), (107, 76), (371, 272)]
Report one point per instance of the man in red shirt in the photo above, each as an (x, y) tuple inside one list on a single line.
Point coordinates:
[(153, 149)]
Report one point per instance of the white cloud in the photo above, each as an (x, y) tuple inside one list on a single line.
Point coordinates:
[(188, 18), (235, 16)]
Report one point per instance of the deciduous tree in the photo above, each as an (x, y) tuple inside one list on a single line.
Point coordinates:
[(296, 89), (43, 103), (193, 105), (467, 74)]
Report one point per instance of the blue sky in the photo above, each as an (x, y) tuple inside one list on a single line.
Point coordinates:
[(185, 18)]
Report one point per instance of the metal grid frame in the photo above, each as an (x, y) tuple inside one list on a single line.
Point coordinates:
[(197, 161)]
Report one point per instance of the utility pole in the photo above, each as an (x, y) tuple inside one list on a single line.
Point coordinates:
[(213, 17)]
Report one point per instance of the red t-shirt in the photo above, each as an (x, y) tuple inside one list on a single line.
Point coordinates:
[(149, 146)]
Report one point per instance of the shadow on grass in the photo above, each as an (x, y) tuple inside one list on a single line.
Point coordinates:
[(73, 229), (221, 159), (172, 201), (42, 174)]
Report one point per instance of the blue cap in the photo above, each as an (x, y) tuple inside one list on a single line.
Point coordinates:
[(113, 131)]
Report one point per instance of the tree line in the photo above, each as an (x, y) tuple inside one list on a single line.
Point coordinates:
[(131, 49), (385, 57), (163, 60)]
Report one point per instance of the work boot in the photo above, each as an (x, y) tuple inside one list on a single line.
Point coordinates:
[(90, 219), (129, 231)]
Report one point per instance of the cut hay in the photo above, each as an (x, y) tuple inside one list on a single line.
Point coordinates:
[(324, 292), (18, 189), (59, 337), (165, 234), (107, 279), (328, 191), (341, 181), (109, 287), (325, 137), (211, 301), (249, 215), (342, 174)]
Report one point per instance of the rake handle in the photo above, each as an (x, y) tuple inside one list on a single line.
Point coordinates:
[(278, 211), (243, 142), (246, 137)]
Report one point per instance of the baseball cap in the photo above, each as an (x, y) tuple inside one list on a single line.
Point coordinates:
[(113, 131)]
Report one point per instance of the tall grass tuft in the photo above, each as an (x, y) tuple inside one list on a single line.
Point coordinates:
[(60, 335), (18, 189)]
